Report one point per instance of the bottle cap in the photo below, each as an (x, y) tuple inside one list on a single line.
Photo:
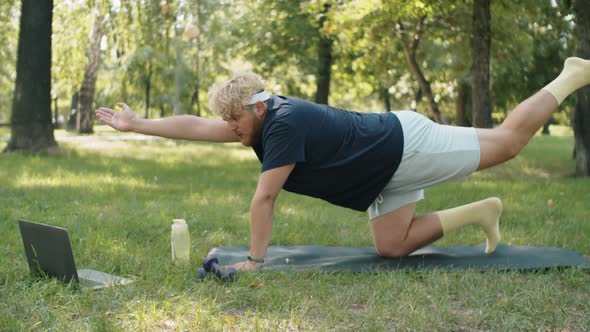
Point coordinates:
[(179, 224)]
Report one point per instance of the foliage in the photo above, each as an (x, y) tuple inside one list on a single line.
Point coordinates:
[(71, 30), (376, 46), (269, 35), (525, 62), (279, 39), (142, 52), (9, 22)]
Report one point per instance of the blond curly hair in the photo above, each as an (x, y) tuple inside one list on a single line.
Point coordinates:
[(229, 98)]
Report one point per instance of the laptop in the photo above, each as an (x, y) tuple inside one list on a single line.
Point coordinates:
[(49, 253)]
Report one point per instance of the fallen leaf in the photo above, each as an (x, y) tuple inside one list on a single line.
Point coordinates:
[(256, 284)]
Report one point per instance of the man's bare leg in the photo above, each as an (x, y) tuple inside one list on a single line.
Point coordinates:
[(506, 141), (398, 233)]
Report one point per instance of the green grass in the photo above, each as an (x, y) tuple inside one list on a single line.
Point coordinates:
[(118, 199)]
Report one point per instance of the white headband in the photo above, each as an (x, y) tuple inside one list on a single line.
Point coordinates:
[(260, 96)]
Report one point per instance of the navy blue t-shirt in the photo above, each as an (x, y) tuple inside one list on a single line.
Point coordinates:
[(343, 157)]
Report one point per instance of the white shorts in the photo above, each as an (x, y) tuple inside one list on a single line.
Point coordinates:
[(433, 154)]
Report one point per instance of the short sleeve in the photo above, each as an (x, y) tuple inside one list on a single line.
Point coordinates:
[(284, 143)]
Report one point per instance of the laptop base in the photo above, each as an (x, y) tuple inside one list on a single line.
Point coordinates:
[(95, 279)]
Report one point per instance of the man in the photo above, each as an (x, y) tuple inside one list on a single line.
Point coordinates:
[(380, 162)]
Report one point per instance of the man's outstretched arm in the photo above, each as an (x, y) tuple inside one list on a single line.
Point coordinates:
[(270, 184), (186, 127)]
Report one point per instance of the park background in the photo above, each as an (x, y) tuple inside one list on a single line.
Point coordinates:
[(459, 62)]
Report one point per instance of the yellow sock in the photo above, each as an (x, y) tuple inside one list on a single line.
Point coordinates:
[(575, 74), (485, 213)]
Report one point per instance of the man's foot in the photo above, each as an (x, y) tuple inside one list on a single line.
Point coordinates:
[(491, 209), (578, 70), (485, 213), (575, 74)]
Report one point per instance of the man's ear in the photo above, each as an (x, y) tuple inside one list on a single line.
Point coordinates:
[(260, 109)]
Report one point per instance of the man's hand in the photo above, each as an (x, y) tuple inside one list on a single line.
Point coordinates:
[(247, 266), (122, 121)]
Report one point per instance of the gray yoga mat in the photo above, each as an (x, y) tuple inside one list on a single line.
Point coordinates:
[(365, 259)]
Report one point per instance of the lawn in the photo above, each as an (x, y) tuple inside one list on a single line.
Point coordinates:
[(118, 199)]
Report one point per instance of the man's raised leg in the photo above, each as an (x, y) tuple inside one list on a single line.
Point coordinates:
[(506, 141)]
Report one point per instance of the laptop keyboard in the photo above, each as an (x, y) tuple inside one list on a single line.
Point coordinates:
[(86, 283)]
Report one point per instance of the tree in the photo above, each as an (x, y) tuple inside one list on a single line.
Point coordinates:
[(581, 121), (210, 44), (528, 53), (68, 47), (288, 44), (32, 129), (481, 45), (462, 103), (324, 59), (410, 43), (85, 116)]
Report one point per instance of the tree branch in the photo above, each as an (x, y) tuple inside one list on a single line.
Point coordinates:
[(411, 46), (401, 31), (418, 33)]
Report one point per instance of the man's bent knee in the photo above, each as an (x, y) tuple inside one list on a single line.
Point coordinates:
[(393, 250)]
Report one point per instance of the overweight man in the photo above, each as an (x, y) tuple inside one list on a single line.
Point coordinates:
[(375, 162)]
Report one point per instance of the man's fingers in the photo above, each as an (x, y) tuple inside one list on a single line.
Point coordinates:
[(123, 106), (100, 114), (105, 115), (104, 110), (106, 119)]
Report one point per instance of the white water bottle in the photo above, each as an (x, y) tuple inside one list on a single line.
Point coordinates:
[(180, 241)]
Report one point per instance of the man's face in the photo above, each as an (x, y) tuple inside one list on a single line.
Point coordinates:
[(248, 125)]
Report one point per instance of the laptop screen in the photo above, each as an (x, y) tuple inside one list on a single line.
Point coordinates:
[(48, 250)]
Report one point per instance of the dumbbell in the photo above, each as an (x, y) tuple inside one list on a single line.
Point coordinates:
[(211, 265), (202, 273)]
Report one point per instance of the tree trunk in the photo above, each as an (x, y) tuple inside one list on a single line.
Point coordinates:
[(480, 70), (55, 113), (73, 113), (546, 128), (32, 129), (410, 47), (386, 99), (177, 45), (148, 87), (425, 88), (86, 110), (324, 60), (195, 98), (417, 99), (461, 103), (581, 121)]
